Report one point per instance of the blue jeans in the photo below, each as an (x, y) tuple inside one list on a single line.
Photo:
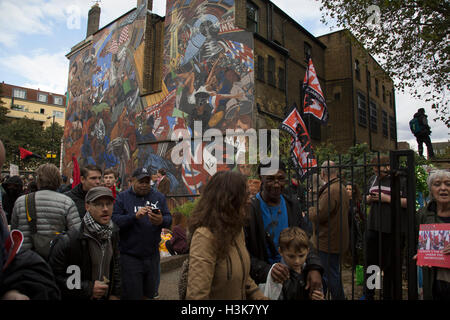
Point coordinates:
[(332, 275), (140, 276)]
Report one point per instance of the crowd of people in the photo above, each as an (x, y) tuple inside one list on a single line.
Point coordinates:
[(241, 242)]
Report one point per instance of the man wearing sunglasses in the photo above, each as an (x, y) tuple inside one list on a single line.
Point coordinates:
[(270, 212)]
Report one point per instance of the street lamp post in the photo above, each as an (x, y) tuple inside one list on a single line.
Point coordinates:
[(53, 130)]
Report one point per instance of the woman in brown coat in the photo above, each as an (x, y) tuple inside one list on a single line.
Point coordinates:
[(219, 264)]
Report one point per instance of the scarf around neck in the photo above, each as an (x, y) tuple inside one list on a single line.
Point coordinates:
[(99, 231)]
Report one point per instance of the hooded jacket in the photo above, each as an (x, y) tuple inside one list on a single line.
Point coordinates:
[(423, 120), (139, 237), (78, 196)]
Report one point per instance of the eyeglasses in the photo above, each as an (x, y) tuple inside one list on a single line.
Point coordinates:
[(101, 205), (272, 179)]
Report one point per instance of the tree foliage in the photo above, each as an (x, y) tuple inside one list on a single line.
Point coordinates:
[(410, 38)]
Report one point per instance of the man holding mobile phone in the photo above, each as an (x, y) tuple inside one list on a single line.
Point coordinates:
[(141, 213)]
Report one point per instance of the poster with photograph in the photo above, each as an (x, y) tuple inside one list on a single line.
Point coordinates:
[(433, 238)]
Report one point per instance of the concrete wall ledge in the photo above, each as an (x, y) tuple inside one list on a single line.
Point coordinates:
[(172, 262)]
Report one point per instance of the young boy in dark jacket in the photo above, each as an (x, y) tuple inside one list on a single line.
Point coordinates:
[(293, 248)]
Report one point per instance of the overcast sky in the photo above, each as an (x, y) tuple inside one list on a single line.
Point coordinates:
[(37, 34)]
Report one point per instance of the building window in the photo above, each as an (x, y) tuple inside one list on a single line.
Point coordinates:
[(42, 97), (58, 100), (392, 128), (281, 79), (337, 96), (373, 116), (19, 93), (58, 114), (391, 99), (383, 92), (42, 111), (362, 113), (307, 51), (357, 71), (369, 81), (377, 93), (271, 71), (384, 123), (252, 17), (260, 68)]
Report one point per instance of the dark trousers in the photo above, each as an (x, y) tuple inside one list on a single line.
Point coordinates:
[(140, 277), (425, 139), (374, 253), (332, 275)]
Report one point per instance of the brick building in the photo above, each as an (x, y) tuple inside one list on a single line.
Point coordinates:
[(354, 78), (34, 104), (227, 63)]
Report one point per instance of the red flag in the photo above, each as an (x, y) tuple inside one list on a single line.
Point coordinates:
[(75, 173), (314, 101), (25, 154), (301, 149)]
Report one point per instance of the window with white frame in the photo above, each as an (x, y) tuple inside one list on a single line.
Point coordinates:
[(58, 114), (42, 97), (58, 100), (19, 93)]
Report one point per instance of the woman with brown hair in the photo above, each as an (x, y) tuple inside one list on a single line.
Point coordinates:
[(219, 264)]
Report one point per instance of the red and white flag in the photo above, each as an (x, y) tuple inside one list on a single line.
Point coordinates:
[(302, 154), (314, 101)]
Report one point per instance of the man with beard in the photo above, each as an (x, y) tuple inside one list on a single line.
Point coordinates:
[(270, 212), (140, 213)]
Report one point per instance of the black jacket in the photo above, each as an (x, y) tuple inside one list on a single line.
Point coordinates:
[(423, 120), (257, 241), (78, 196), (29, 274), (72, 248)]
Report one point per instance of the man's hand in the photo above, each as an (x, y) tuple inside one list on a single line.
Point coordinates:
[(14, 295), (317, 295), (99, 290), (156, 218), (114, 298), (280, 273), (313, 281), (142, 212), (375, 196)]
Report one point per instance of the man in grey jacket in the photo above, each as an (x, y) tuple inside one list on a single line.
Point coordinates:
[(55, 212)]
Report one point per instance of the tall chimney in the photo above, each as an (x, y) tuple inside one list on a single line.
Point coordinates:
[(93, 20), (149, 4)]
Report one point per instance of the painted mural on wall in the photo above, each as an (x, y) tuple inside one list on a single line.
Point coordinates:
[(208, 74), (104, 96), (207, 77)]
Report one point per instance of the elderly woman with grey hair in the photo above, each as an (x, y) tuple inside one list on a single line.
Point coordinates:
[(436, 281)]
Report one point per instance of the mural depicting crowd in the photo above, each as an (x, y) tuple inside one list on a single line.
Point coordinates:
[(207, 77)]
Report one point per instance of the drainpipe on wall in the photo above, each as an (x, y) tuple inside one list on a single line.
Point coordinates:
[(353, 96)]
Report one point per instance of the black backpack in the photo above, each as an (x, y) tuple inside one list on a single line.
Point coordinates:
[(41, 242)]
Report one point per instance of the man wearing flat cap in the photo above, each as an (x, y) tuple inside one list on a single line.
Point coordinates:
[(94, 249), (141, 213)]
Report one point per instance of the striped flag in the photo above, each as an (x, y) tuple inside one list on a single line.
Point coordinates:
[(240, 51), (123, 35), (302, 155), (114, 47), (314, 101)]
